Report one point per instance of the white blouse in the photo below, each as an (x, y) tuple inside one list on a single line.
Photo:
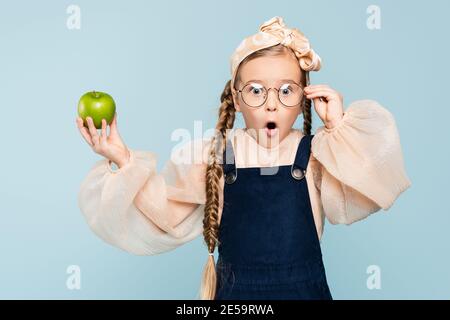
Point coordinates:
[(355, 169)]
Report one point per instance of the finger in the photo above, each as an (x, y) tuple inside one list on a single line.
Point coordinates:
[(113, 126), (329, 95), (83, 131), (82, 123), (103, 136), (92, 131), (318, 86), (315, 89), (332, 91), (317, 102)]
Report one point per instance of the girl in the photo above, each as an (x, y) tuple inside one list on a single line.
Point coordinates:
[(260, 193)]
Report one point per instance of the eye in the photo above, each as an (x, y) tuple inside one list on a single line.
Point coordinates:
[(255, 89), (286, 89)]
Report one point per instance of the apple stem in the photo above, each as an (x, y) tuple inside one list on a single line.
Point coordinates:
[(95, 94)]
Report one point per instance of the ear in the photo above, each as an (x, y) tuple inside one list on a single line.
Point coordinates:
[(236, 101)]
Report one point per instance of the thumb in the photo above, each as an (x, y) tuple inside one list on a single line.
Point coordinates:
[(321, 107)]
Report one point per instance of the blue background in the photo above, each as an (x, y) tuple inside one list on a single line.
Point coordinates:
[(132, 50)]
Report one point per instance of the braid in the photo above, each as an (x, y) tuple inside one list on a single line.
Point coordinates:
[(214, 172), (307, 118)]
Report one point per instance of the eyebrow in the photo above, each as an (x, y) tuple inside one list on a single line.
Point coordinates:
[(280, 80)]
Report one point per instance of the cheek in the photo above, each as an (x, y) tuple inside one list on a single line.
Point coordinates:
[(290, 115), (253, 116)]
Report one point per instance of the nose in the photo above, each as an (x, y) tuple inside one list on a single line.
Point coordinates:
[(272, 100)]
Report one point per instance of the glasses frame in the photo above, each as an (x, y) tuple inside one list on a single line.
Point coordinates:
[(267, 90)]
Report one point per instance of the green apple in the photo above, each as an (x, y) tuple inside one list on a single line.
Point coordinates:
[(97, 105)]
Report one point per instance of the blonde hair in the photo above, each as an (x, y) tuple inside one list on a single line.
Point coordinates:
[(214, 169)]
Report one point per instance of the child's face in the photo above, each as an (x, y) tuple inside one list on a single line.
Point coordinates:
[(271, 72)]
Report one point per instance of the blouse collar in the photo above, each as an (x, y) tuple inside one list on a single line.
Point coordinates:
[(249, 153)]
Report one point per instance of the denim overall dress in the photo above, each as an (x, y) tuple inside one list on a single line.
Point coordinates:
[(268, 244)]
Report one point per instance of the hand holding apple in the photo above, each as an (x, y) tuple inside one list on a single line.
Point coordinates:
[(112, 146)]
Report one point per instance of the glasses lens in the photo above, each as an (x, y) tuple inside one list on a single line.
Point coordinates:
[(254, 94), (290, 94)]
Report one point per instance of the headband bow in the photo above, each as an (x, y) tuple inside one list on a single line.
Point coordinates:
[(273, 32)]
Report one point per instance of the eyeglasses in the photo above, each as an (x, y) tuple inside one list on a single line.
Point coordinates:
[(255, 94)]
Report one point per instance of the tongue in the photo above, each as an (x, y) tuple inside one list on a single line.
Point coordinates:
[(271, 132)]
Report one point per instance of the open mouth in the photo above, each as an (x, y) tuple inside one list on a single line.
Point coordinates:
[(271, 128)]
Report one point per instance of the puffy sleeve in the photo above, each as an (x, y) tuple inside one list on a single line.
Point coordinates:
[(142, 211), (361, 163)]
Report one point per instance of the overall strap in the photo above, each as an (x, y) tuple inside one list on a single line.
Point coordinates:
[(229, 166), (298, 169)]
